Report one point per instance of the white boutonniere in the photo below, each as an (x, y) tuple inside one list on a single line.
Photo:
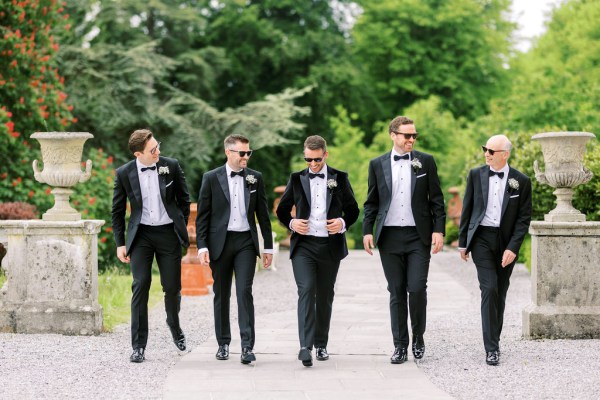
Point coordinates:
[(250, 179), (163, 170), (331, 183), (513, 183), (416, 164)]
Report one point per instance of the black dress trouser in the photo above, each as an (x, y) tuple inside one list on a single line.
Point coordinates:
[(239, 258), (487, 250), (315, 272), (405, 259), (162, 242)]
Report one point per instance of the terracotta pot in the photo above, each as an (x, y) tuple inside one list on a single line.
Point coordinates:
[(193, 275)]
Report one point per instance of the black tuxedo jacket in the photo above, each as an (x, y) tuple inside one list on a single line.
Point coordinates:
[(340, 204), (427, 200), (214, 210), (516, 208), (173, 192)]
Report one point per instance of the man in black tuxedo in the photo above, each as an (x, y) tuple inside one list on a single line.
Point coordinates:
[(230, 198), (325, 209), (160, 207), (495, 218), (406, 205)]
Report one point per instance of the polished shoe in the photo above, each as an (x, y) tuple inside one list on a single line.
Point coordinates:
[(399, 355), (305, 356), (492, 357), (247, 356), (137, 356), (321, 353), (223, 352), (178, 338), (418, 347)]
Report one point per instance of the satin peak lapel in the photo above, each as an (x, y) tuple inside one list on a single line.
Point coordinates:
[(387, 171), (305, 181), (484, 176), (161, 183), (413, 175), (246, 194), (134, 181), (329, 191), (507, 194), (222, 177)]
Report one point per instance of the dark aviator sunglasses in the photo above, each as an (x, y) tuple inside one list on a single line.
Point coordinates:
[(243, 153), (485, 149), (407, 135)]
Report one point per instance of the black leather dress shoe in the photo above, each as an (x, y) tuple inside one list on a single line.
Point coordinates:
[(399, 355), (137, 356), (321, 353), (492, 357), (305, 356), (418, 347), (223, 352), (178, 338), (247, 356)]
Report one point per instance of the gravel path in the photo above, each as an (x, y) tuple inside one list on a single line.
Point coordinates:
[(98, 367)]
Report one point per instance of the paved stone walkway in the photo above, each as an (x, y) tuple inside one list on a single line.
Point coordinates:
[(360, 345)]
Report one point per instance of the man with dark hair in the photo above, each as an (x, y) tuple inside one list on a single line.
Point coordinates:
[(406, 205), (160, 207), (325, 209), (495, 218), (230, 198)]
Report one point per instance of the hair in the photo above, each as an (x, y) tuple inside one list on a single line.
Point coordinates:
[(507, 143), (138, 140), (399, 120), (315, 142), (231, 140)]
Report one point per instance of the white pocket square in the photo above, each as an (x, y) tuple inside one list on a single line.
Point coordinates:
[(512, 197), (420, 176), (252, 191), (169, 184)]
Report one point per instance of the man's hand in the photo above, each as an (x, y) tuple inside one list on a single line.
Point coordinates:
[(368, 243), (122, 254), (204, 258), (334, 225), (508, 257), (267, 259), (464, 255), (300, 226), (437, 241)]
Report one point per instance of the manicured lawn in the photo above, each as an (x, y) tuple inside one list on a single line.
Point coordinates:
[(114, 294)]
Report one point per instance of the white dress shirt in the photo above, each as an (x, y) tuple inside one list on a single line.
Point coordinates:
[(400, 212), (153, 209), (317, 220), (238, 217), (496, 186)]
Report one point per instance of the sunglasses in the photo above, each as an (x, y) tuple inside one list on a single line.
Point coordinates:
[(153, 150), (407, 135), (243, 153), (486, 150), (317, 160)]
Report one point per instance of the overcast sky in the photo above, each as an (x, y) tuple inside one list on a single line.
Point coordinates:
[(530, 15)]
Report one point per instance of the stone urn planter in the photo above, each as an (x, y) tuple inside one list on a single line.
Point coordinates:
[(61, 156), (563, 158)]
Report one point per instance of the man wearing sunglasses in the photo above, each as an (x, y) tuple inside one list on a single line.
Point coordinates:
[(495, 218), (405, 206), (160, 207), (231, 198), (325, 209)]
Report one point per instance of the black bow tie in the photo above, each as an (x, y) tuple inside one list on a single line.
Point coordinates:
[(404, 157), (500, 174), (240, 173), (147, 168), (311, 176)]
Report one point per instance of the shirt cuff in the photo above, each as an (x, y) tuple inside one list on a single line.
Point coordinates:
[(343, 225), (290, 225), (268, 251), (202, 250)]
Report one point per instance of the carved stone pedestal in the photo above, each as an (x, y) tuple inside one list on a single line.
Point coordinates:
[(52, 277), (565, 281)]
